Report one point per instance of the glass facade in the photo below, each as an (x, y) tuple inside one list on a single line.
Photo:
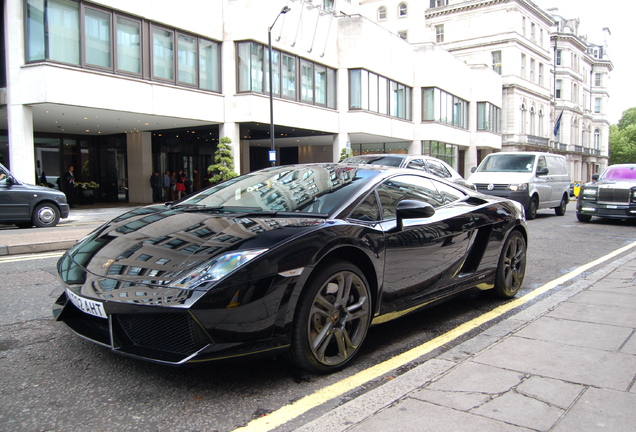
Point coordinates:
[(77, 33), (297, 78), (441, 150), (443, 107), (488, 117), (375, 93)]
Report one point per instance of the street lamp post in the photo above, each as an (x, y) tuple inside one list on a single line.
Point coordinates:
[(272, 156)]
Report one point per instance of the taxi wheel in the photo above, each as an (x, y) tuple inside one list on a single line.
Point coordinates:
[(45, 215)]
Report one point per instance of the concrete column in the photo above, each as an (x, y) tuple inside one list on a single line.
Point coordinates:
[(139, 147), (21, 147), (339, 142), (233, 132), (415, 147)]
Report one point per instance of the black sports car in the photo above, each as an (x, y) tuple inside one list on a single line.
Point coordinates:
[(294, 260)]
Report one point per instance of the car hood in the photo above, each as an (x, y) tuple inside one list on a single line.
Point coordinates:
[(158, 246), (622, 184), (499, 177)]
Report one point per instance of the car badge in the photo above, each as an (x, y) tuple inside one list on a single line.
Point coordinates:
[(108, 263), (491, 186)]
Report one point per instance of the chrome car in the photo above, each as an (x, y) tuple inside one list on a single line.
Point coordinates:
[(229, 272), (610, 195)]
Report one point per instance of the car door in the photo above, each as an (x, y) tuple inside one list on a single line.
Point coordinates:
[(14, 198), (542, 183), (426, 254)]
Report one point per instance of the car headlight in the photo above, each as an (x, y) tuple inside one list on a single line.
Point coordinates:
[(216, 269), (518, 187), (589, 192)]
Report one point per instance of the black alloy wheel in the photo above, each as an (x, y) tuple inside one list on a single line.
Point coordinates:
[(332, 319), (533, 206), (560, 210), (512, 266), (583, 217)]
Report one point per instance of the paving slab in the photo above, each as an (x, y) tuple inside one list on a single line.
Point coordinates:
[(601, 410)]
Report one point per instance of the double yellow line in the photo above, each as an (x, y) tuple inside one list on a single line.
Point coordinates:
[(301, 406)]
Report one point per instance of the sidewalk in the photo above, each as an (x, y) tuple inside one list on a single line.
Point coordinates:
[(81, 221), (566, 363)]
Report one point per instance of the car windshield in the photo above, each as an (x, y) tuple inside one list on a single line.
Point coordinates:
[(394, 161), (621, 172), (502, 162), (298, 188)]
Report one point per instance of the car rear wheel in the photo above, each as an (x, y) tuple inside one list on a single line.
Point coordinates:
[(331, 319), (560, 210), (583, 217), (512, 266), (531, 209), (45, 215)]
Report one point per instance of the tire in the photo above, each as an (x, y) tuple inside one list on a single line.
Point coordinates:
[(45, 215), (531, 210), (560, 210), (511, 268), (583, 217), (331, 319)]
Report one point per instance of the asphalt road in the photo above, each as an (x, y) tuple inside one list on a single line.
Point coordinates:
[(52, 380)]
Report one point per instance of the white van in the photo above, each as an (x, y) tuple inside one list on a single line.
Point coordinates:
[(535, 179)]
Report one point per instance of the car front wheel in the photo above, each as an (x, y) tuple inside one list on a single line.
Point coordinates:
[(331, 319), (583, 217), (512, 266), (45, 215)]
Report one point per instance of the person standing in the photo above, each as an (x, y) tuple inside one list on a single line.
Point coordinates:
[(68, 182), (180, 184), (155, 184), (173, 186), (167, 190), (196, 180)]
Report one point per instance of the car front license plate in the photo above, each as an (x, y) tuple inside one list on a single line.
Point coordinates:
[(85, 305)]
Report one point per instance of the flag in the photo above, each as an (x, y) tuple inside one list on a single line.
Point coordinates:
[(557, 124)]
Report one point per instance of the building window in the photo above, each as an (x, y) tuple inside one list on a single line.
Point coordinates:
[(559, 57), (532, 32), (439, 33), (532, 121), (540, 124), (402, 10), (441, 150), (557, 89), (532, 67), (541, 38), (496, 61), (488, 117), (523, 26), (597, 105), (541, 74), (523, 66), (371, 92), (443, 107), (403, 34), (597, 139), (438, 3), (381, 13), (97, 34), (317, 82), (575, 93), (597, 80), (128, 46), (76, 33), (522, 128)]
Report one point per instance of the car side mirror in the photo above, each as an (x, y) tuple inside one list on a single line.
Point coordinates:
[(595, 177), (473, 169), (412, 209), (543, 171)]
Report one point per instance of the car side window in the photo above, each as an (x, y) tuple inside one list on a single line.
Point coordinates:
[(438, 169), (404, 187), (417, 164), (541, 163), (368, 210), (449, 194)]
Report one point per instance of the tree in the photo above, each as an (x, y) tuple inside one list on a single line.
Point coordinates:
[(223, 167), (623, 139)]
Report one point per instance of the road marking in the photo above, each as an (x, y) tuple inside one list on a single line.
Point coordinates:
[(17, 258), (301, 406)]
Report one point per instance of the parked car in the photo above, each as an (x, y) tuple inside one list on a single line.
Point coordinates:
[(535, 179), (222, 274), (610, 195), (26, 205), (427, 164)]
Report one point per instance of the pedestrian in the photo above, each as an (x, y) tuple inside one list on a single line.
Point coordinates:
[(196, 180), (173, 185), (167, 190), (155, 184), (180, 187), (68, 184)]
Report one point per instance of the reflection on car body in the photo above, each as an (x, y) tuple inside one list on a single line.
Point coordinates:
[(225, 273)]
